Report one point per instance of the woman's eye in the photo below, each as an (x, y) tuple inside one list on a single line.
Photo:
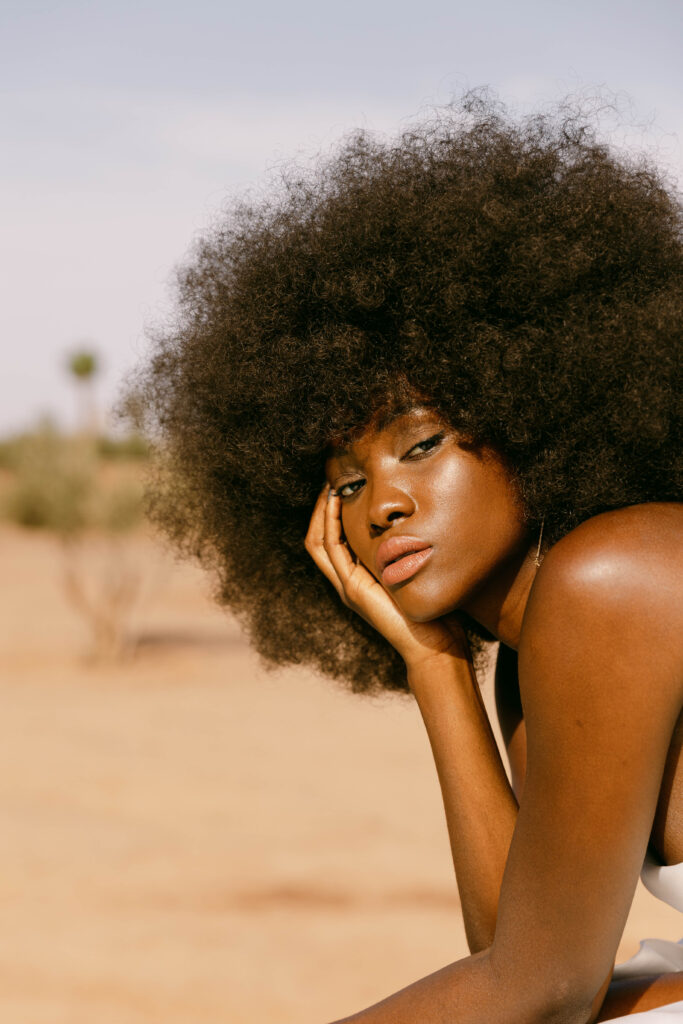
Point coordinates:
[(347, 489), (422, 447)]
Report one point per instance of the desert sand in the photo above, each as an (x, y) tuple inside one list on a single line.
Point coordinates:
[(187, 838)]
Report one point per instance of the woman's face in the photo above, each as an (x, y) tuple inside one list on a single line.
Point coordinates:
[(437, 522)]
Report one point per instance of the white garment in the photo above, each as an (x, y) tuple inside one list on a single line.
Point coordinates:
[(672, 1013), (657, 956)]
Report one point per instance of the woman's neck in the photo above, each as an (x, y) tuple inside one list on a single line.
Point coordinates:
[(500, 603)]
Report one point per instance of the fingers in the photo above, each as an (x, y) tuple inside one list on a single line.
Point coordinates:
[(316, 529), (316, 542), (335, 545)]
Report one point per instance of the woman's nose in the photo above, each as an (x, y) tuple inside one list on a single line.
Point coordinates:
[(388, 504)]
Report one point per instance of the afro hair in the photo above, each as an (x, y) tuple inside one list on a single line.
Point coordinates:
[(520, 273)]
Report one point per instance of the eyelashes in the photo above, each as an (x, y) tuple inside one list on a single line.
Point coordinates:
[(414, 453), (426, 446), (348, 489)]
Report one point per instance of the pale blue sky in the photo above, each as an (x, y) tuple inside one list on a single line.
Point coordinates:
[(125, 126)]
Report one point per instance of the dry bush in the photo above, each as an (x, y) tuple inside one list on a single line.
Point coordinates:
[(87, 492)]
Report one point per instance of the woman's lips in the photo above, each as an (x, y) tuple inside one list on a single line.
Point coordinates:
[(404, 568), (399, 558)]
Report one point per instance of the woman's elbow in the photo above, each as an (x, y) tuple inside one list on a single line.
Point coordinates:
[(562, 1007), (535, 997), (569, 1012)]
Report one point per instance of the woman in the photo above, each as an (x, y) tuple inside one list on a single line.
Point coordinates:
[(468, 340)]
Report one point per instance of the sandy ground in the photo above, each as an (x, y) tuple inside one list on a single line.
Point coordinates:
[(186, 838)]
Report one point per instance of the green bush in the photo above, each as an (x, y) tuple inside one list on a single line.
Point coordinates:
[(55, 482)]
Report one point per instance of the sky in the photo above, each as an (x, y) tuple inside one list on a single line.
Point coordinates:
[(127, 127)]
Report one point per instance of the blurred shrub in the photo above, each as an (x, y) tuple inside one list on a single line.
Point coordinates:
[(88, 492), (49, 483), (59, 483), (132, 447)]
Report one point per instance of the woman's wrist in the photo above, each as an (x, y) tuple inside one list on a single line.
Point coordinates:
[(425, 666), (437, 645)]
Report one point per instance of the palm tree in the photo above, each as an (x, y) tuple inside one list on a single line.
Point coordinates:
[(83, 366)]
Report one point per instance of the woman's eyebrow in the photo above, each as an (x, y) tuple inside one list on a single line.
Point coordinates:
[(339, 449)]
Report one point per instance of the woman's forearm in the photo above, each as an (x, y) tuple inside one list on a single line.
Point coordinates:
[(480, 806), (471, 991)]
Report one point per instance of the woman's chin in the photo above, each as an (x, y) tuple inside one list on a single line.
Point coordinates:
[(419, 608)]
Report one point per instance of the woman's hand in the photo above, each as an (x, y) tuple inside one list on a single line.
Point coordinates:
[(416, 642)]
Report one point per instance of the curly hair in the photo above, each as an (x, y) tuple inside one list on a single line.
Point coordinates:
[(518, 272)]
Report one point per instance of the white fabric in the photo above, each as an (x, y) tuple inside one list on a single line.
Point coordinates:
[(671, 1014), (657, 956), (664, 881)]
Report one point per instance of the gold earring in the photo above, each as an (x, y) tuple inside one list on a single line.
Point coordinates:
[(537, 557)]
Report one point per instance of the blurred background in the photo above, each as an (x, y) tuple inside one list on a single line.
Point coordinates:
[(182, 835)]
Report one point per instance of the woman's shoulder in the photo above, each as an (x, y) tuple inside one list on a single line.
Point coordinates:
[(618, 572), (636, 544)]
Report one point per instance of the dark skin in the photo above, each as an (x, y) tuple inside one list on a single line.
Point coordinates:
[(590, 712)]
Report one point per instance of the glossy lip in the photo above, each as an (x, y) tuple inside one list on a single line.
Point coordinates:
[(399, 558)]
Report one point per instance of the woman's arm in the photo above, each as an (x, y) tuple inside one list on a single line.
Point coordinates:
[(480, 806), (624, 996), (601, 693)]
